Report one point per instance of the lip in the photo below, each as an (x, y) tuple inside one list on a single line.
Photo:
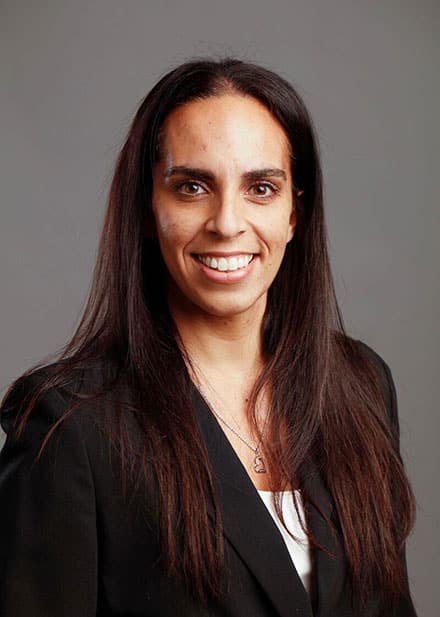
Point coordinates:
[(225, 278)]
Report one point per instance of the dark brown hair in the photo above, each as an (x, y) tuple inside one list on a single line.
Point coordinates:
[(327, 397)]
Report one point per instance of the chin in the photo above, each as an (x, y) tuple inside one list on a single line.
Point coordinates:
[(229, 309), (219, 304)]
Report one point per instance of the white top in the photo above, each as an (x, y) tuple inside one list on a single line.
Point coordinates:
[(299, 550)]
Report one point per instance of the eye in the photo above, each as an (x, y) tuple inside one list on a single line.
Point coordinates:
[(189, 187), (263, 189)]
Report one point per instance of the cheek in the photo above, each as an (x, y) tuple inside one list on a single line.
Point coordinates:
[(164, 223), (174, 228), (279, 233), (169, 230)]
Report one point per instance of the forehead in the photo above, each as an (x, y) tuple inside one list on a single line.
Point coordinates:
[(231, 126)]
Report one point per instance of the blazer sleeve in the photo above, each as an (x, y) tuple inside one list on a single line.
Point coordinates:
[(406, 602), (406, 606), (48, 543), (387, 384)]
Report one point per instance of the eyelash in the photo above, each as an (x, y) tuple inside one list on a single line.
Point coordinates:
[(179, 185)]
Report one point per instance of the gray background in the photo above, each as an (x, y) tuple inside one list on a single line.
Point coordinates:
[(73, 74)]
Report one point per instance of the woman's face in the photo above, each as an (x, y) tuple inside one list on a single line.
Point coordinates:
[(222, 204)]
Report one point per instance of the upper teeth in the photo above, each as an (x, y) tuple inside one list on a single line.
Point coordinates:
[(225, 264)]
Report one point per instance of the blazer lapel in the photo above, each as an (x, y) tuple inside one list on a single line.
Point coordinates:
[(248, 525)]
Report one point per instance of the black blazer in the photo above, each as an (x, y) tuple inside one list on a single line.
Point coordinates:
[(71, 546)]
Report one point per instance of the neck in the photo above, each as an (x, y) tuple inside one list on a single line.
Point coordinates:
[(222, 346)]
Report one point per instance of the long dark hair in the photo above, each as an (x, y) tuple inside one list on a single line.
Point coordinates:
[(326, 396)]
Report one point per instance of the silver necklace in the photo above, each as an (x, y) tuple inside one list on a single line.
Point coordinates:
[(258, 465)]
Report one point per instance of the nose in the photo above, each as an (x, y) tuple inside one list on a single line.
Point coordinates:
[(228, 217)]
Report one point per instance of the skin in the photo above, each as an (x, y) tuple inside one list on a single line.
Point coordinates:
[(219, 318), (226, 136)]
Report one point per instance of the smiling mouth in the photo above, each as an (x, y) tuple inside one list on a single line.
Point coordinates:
[(226, 264)]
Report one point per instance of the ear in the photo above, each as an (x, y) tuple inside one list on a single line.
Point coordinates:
[(292, 225)]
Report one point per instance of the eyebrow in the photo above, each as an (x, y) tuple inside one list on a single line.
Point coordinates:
[(203, 174)]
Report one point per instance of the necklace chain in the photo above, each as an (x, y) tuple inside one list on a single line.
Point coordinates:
[(258, 466)]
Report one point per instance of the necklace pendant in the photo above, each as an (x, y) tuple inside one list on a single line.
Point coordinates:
[(259, 464)]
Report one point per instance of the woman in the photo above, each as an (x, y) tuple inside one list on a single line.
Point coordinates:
[(211, 441)]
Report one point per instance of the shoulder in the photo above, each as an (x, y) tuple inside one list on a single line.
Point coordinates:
[(42, 399), (372, 355), (90, 409), (25, 393), (58, 438), (384, 377), (377, 361)]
